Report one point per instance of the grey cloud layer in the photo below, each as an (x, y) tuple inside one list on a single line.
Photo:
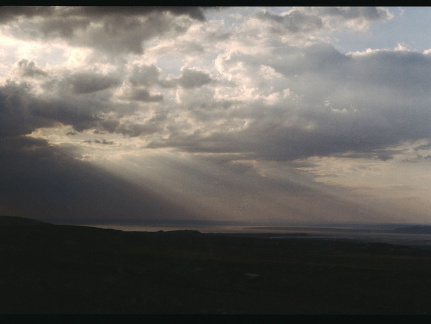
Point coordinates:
[(339, 103), (90, 82), (116, 29), (29, 69), (144, 75), (8, 13), (360, 103), (312, 19), (345, 103), (22, 111), (141, 94), (19, 111), (294, 22), (193, 79), (43, 181)]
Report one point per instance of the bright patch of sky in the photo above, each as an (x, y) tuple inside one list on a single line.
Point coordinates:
[(407, 28)]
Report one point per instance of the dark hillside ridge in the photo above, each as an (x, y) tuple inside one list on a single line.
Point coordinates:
[(62, 269), (19, 221), (417, 229)]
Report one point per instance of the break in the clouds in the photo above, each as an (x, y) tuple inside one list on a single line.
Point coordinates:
[(236, 114)]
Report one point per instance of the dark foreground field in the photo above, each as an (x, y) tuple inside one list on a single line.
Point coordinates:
[(71, 269)]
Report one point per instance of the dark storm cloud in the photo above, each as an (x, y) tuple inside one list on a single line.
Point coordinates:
[(143, 95), (12, 12), (19, 111), (104, 142), (109, 124), (193, 79), (77, 99), (63, 28), (103, 11), (144, 75), (116, 29), (8, 13), (154, 125), (381, 154), (29, 69), (45, 182), (66, 111), (90, 82), (134, 129)]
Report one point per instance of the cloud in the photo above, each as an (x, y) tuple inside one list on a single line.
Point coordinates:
[(317, 19), (423, 147), (85, 82), (193, 79), (29, 69), (336, 103), (104, 142), (144, 75), (301, 101), (110, 124), (149, 75), (357, 17), (117, 29), (19, 111), (63, 28), (83, 99), (46, 182), (140, 94), (8, 13), (104, 11), (295, 21), (153, 125), (14, 12)]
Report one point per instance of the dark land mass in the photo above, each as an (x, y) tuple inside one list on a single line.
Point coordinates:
[(416, 229), (19, 221), (59, 269)]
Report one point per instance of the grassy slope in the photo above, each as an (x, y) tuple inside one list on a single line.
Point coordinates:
[(70, 269)]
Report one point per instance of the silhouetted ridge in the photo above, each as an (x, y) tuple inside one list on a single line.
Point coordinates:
[(417, 229), (182, 232), (19, 221)]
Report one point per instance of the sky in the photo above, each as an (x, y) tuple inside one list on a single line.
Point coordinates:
[(259, 114)]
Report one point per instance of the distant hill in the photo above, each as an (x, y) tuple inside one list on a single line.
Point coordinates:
[(66, 269), (19, 221), (416, 229)]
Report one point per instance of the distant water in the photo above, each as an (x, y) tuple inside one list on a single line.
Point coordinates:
[(280, 232)]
